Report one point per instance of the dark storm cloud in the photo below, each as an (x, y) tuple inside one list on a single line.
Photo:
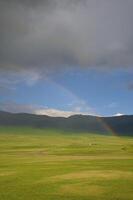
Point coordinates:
[(43, 34)]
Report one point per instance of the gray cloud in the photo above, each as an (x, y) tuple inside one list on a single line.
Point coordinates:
[(16, 108), (44, 34), (130, 86), (38, 110)]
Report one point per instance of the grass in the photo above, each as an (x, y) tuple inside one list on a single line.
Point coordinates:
[(37, 164)]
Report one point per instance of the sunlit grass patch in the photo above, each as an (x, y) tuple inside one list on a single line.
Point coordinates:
[(53, 165)]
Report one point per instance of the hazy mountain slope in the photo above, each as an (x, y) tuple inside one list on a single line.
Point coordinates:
[(122, 125)]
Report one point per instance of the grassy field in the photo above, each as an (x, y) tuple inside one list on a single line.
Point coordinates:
[(53, 165)]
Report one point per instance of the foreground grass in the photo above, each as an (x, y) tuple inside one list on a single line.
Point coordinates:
[(40, 164)]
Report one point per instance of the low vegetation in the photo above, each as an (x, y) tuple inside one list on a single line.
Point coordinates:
[(44, 164)]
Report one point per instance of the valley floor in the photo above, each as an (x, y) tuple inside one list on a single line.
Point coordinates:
[(43, 164)]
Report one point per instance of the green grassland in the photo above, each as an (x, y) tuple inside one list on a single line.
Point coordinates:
[(39, 164)]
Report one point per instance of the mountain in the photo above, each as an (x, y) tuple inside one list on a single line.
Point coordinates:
[(121, 125)]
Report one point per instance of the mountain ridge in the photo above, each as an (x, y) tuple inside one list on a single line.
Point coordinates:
[(121, 125)]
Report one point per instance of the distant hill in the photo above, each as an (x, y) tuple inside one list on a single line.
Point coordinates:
[(122, 125)]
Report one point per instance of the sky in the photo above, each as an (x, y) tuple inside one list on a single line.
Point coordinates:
[(65, 57)]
